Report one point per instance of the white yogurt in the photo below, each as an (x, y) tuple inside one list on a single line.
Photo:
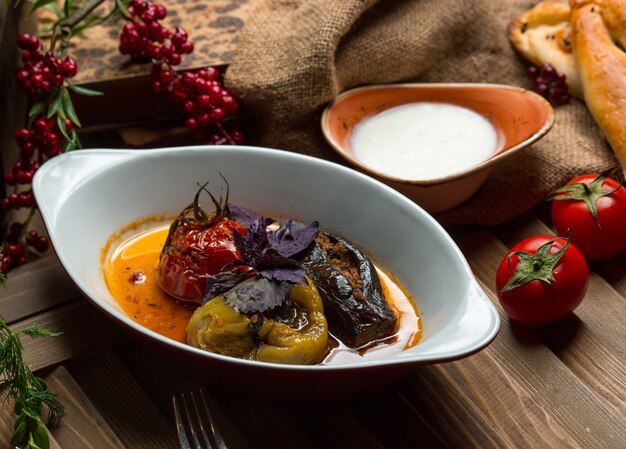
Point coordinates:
[(420, 141)]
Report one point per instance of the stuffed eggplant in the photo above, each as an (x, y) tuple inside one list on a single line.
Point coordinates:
[(354, 303)]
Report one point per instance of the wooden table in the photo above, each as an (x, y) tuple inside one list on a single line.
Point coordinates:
[(564, 386)]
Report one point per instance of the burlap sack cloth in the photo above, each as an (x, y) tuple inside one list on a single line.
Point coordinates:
[(295, 56)]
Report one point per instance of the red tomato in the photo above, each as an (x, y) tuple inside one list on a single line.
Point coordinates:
[(194, 253), (596, 239), (537, 302)]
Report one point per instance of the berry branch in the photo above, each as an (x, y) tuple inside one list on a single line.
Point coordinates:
[(50, 126)]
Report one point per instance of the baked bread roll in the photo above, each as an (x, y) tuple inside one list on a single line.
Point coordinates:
[(543, 35), (602, 65)]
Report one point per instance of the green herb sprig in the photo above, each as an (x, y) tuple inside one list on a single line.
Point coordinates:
[(28, 392)]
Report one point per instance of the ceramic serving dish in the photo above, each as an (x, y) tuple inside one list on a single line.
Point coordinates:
[(86, 196), (519, 116)]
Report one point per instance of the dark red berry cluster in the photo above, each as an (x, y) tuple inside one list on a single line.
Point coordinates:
[(42, 71), (550, 84), (13, 252), (205, 101), (38, 144), (144, 37)]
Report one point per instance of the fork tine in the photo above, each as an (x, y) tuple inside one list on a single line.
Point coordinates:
[(180, 426), (201, 422), (192, 424), (217, 435)]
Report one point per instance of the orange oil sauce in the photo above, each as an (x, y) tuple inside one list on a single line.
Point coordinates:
[(130, 274)]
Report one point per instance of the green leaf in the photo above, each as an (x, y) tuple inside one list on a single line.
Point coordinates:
[(122, 7), (76, 140), (62, 128), (70, 145), (21, 419), (68, 107), (84, 91), (40, 437), (39, 4), (36, 108), (35, 331), (55, 105), (19, 436), (67, 7)]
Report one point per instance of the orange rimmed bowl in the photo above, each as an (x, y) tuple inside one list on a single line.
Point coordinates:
[(519, 116)]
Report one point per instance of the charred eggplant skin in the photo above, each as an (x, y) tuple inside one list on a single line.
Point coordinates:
[(356, 315)]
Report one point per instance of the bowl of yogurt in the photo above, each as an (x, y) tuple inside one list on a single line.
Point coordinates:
[(435, 143)]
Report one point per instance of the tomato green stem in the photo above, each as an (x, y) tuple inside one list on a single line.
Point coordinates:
[(535, 267), (588, 193)]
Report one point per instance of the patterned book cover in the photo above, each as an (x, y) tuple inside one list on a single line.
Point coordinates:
[(213, 27)]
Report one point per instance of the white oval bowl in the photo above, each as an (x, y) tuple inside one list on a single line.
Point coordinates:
[(86, 196)]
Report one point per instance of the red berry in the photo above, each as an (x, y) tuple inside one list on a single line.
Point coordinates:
[(14, 249), (186, 48), (201, 86), (203, 102), (51, 138), (189, 78), (174, 58), (204, 119), (42, 244), (22, 136), (27, 149), (178, 96), (230, 105), (41, 126), (23, 41), (192, 124), (160, 11), (237, 137), (217, 115), (189, 107), (9, 178)]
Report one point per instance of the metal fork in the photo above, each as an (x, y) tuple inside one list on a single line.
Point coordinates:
[(194, 422)]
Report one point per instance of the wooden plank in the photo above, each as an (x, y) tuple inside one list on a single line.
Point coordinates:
[(393, 419), (460, 423), (591, 343), (34, 288), (532, 398), (264, 423), (83, 328), (82, 427), (321, 423), (124, 405)]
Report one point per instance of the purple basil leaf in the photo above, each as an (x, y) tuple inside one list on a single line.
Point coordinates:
[(279, 268), (257, 294), (292, 237), (254, 242), (293, 275), (220, 283), (245, 217)]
